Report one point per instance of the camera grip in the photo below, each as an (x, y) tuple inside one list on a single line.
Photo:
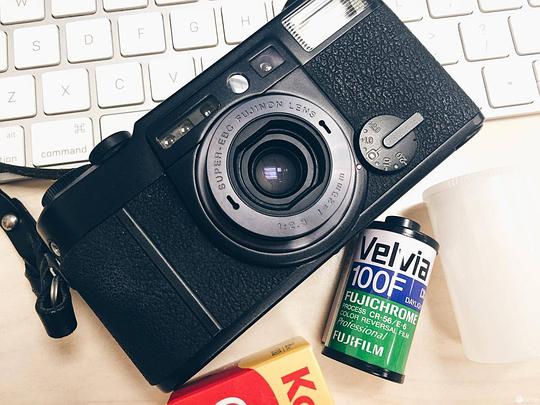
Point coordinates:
[(137, 305), (142, 308), (379, 67)]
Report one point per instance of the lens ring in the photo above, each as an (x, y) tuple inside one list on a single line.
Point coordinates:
[(218, 171)]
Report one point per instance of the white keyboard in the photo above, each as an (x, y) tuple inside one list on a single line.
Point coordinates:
[(490, 47), (75, 71)]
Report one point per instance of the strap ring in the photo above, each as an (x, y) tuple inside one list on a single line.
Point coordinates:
[(53, 292)]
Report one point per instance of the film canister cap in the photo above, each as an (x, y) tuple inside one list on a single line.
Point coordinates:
[(406, 227)]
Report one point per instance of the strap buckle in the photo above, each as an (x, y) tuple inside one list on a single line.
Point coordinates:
[(53, 291), (53, 304)]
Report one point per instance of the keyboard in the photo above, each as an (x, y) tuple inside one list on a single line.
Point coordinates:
[(490, 47), (74, 72)]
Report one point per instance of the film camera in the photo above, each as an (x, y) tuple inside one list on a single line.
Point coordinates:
[(244, 182)]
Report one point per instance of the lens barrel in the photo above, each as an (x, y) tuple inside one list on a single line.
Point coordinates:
[(281, 165), (279, 171)]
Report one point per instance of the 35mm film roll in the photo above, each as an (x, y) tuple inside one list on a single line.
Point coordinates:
[(376, 310)]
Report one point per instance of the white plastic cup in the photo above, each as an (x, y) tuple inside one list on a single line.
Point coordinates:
[(488, 226)]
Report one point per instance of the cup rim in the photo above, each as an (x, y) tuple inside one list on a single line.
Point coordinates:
[(466, 179)]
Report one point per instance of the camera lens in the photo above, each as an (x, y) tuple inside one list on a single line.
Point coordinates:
[(278, 169), (279, 165), (278, 173)]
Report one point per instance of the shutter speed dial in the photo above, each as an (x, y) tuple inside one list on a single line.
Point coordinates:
[(388, 143)]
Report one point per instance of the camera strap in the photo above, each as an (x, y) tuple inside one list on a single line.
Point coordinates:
[(53, 305)]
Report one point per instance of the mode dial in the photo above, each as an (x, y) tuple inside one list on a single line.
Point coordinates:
[(388, 143)]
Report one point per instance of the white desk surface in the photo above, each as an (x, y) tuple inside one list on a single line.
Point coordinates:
[(88, 367)]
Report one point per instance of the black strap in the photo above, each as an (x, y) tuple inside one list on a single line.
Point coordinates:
[(33, 172), (53, 304)]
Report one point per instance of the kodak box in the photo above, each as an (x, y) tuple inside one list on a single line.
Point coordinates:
[(286, 374)]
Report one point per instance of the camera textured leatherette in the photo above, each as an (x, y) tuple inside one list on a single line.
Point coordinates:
[(136, 303), (378, 68), (205, 268)]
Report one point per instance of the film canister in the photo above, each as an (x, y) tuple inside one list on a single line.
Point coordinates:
[(379, 298)]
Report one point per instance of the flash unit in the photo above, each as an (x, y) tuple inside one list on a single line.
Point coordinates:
[(318, 20)]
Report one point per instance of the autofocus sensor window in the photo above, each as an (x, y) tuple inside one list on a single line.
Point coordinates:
[(209, 106)]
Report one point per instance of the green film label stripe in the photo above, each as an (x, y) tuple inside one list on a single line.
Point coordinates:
[(374, 329)]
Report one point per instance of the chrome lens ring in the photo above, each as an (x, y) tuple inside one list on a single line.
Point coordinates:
[(218, 173)]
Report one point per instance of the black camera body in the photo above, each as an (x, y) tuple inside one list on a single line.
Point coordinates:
[(243, 183)]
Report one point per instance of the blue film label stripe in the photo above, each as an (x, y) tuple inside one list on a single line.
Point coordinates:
[(395, 286)]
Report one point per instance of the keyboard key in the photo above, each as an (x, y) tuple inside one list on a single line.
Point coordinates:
[(12, 150), (408, 10), (111, 124), (167, 2), (114, 5), (212, 56), (499, 5), (278, 6), (17, 97), (60, 142), (488, 38), (241, 22), (36, 46), (89, 40), (441, 39), (470, 79), (3, 52), (193, 26), (71, 8), (510, 83), (534, 3), (141, 34), (526, 32), (19, 11), (170, 74), (66, 91), (450, 8), (119, 85)]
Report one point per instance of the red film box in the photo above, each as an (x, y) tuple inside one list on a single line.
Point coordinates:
[(286, 374)]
